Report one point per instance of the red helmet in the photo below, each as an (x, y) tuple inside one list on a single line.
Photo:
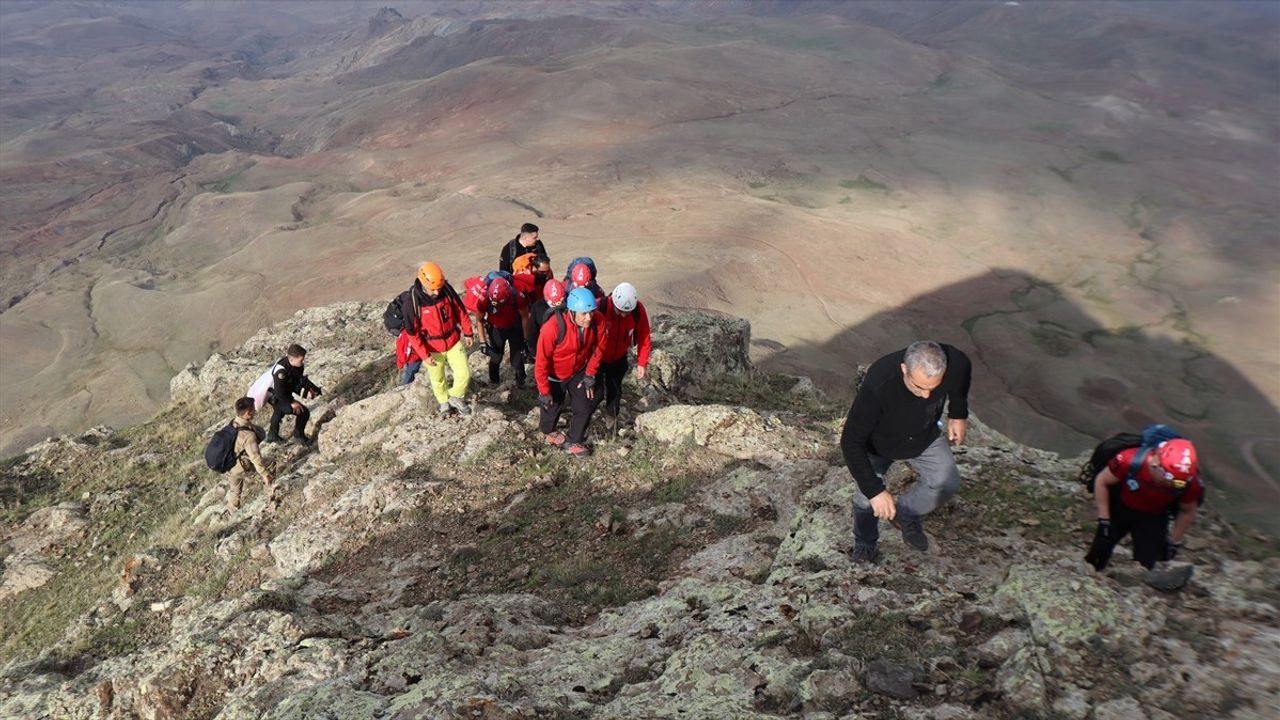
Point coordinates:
[(553, 291), (499, 291), (1178, 458), (581, 275)]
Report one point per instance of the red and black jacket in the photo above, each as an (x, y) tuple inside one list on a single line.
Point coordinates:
[(560, 356)]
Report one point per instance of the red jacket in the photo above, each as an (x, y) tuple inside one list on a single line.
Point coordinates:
[(578, 351), (1143, 494), (442, 324), (622, 330), (507, 315)]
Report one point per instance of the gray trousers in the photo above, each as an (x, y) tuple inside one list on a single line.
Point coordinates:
[(938, 481)]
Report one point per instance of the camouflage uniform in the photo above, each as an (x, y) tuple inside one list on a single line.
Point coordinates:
[(248, 458)]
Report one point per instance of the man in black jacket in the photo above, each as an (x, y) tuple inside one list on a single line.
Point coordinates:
[(526, 242), (288, 379), (897, 415)]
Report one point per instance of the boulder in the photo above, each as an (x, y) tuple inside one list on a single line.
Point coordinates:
[(733, 431), (692, 349), (1059, 607)]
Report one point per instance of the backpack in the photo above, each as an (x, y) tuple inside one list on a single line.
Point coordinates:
[(568, 276), (220, 454), (1151, 437), (495, 274), (394, 317)]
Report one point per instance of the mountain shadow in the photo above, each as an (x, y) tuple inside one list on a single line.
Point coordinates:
[(1048, 374)]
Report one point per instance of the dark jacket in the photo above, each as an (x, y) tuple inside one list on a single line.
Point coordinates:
[(887, 420), (286, 381), (514, 249)]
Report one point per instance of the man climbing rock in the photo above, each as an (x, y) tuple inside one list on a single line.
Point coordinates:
[(1136, 494), (441, 335), (626, 324), (503, 317), (526, 241), (568, 358), (248, 456), (288, 379), (897, 415)]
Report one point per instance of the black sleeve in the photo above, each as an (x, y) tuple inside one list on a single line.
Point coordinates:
[(855, 441), (505, 259), (959, 375), (308, 385), (281, 389)]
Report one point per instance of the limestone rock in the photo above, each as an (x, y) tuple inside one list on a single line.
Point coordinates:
[(693, 348), (1021, 680), (1119, 709), (733, 431), (1059, 607)]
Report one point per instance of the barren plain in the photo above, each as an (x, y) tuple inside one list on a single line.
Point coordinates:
[(1083, 196)]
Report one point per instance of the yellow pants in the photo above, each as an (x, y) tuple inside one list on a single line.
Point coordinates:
[(456, 357)]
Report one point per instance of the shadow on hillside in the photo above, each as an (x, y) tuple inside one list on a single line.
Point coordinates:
[(1046, 373)]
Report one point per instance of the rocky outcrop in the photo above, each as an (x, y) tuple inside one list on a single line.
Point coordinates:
[(319, 609)]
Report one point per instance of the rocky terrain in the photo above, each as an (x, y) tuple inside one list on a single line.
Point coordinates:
[(1057, 187), (696, 566)]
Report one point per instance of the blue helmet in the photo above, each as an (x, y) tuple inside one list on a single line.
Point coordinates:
[(581, 300)]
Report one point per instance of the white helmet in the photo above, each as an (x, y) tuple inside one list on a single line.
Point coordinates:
[(624, 297)]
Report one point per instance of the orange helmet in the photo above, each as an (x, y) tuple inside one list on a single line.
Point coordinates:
[(431, 276), (523, 263)]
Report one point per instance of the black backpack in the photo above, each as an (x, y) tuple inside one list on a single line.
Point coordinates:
[(395, 319), (1151, 437), (220, 455)]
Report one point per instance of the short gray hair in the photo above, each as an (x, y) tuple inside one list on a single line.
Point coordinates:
[(925, 355)]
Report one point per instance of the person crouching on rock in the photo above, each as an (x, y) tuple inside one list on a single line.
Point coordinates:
[(442, 335), (1139, 501), (897, 415), (568, 358), (625, 324), (288, 379), (248, 456)]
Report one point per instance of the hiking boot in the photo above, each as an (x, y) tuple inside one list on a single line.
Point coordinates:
[(460, 405), (912, 532), (611, 424), (556, 438), (578, 450), (445, 408), (303, 440), (273, 439), (864, 554), (520, 383)]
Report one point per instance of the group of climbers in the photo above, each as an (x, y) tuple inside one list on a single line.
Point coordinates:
[(579, 339), (570, 331), (1141, 483)]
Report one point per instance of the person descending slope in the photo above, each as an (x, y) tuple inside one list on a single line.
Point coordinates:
[(247, 455), (626, 324), (503, 319), (526, 241), (568, 358), (288, 379), (551, 302), (441, 335)]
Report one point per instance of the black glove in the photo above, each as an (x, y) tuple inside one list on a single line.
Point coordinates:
[(484, 349), (588, 382), (317, 392), (544, 401), (1171, 549), (1100, 551)]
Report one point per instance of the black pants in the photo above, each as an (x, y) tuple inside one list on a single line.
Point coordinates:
[(299, 425), (1149, 531), (583, 407), (611, 375), (501, 339)]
